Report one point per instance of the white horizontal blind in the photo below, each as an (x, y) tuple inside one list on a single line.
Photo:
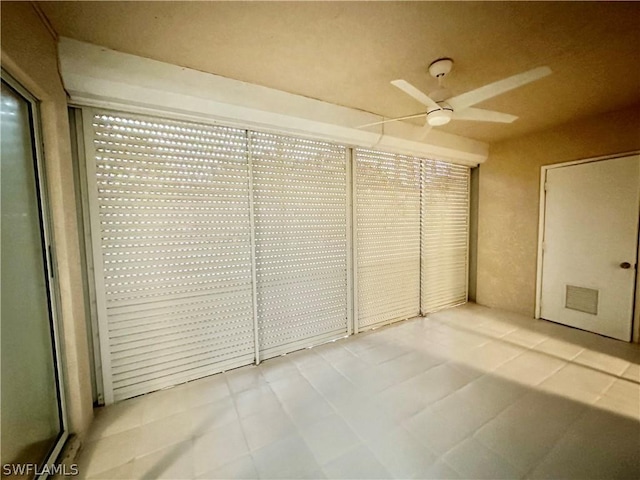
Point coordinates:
[(300, 205), (388, 237), (170, 226), (445, 234)]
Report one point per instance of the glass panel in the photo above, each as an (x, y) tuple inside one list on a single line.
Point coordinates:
[(31, 420)]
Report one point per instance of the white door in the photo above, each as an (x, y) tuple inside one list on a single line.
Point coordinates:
[(590, 245)]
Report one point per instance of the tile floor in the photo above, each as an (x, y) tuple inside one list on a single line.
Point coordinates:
[(469, 392)]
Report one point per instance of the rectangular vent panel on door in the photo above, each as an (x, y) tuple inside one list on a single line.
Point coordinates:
[(582, 299), (388, 237), (300, 217), (171, 240)]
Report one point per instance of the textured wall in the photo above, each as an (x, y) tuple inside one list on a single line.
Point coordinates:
[(509, 200), (29, 55)]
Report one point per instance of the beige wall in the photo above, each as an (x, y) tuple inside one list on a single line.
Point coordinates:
[(29, 55), (509, 199)]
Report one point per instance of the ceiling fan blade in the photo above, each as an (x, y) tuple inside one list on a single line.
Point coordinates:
[(412, 91), (494, 89), (391, 120), (425, 131), (481, 115)]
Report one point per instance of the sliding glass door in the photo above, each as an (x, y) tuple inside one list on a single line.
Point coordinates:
[(32, 414)]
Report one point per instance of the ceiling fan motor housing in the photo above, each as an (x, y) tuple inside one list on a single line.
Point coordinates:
[(440, 67)]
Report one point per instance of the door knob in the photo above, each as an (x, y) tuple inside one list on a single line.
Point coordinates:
[(625, 265)]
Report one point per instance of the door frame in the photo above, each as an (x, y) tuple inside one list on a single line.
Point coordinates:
[(635, 327), (49, 260)]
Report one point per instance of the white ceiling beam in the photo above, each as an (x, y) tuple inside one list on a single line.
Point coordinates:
[(97, 76)]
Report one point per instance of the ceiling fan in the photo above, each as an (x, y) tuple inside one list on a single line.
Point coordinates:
[(442, 107)]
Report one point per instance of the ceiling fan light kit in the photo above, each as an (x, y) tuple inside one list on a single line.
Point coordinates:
[(439, 117), (441, 111)]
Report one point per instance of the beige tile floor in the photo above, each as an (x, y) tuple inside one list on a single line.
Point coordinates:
[(469, 392)]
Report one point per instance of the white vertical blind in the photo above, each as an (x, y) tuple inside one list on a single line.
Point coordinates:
[(445, 235), (300, 205), (388, 237), (170, 227)]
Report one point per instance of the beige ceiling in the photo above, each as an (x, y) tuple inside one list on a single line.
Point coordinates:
[(347, 53)]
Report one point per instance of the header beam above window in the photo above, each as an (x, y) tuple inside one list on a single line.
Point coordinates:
[(97, 76)]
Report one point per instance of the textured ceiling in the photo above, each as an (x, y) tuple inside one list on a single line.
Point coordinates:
[(347, 53)]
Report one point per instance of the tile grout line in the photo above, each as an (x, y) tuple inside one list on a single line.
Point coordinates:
[(557, 442)]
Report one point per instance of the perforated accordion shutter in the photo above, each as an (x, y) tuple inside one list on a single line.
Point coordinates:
[(171, 234), (388, 237), (445, 234), (300, 204)]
